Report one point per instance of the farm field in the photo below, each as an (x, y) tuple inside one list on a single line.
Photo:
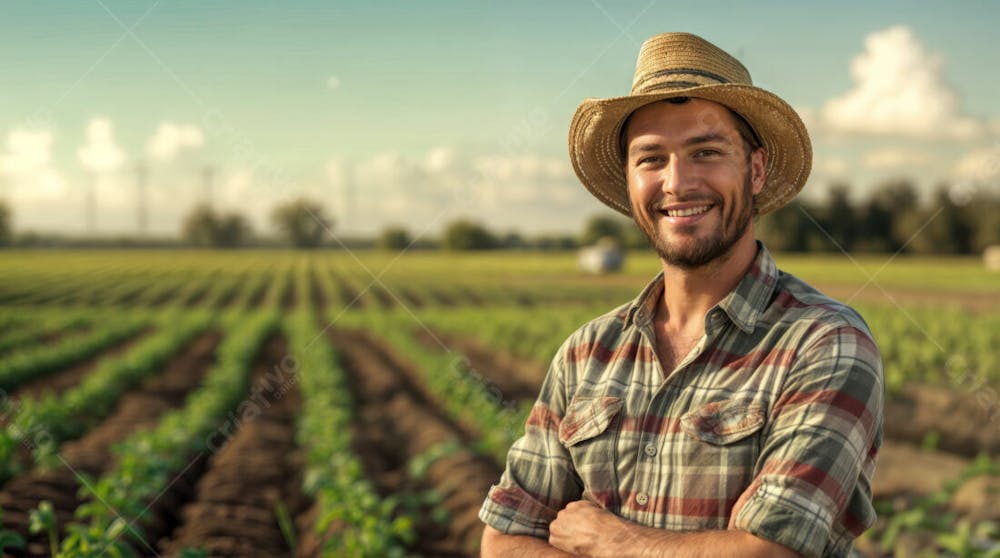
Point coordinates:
[(334, 404)]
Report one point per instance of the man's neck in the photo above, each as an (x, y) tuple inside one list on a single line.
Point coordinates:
[(688, 294)]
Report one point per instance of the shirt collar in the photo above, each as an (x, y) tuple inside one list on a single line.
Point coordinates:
[(743, 305)]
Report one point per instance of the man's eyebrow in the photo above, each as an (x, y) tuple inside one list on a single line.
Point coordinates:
[(644, 148), (705, 138), (708, 138)]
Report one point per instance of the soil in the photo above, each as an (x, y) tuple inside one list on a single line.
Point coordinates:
[(166, 296), (409, 298), (905, 474), (383, 298), (226, 299), (442, 298), (234, 509), (970, 301), (395, 423), (69, 377), (196, 298), (517, 379), (966, 423), (348, 295), (470, 297), (257, 298), (89, 455), (319, 297), (289, 297)]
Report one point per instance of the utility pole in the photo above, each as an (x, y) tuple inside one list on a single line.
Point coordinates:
[(91, 203), (208, 174), (142, 211)]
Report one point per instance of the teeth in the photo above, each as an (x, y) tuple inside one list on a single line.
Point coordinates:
[(687, 212)]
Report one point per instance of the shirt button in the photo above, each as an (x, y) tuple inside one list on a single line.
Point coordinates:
[(641, 498), (649, 450)]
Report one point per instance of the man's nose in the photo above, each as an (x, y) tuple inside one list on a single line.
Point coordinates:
[(678, 176)]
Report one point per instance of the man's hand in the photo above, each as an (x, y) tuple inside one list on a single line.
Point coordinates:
[(585, 529)]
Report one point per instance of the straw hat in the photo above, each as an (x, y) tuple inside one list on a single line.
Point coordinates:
[(685, 65)]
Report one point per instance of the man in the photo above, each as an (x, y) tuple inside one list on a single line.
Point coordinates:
[(730, 410)]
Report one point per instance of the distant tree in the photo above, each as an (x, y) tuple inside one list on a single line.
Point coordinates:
[(204, 227), (941, 228), (839, 220), (464, 234), (302, 222), (880, 215), (985, 214), (513, 241), (199, 227), (393, 238), (6, 234), (603, 226), (232, 231), (555, 242), (789, 228), (632, 236)]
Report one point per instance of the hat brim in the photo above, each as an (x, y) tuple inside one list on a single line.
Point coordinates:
[(597, 123)]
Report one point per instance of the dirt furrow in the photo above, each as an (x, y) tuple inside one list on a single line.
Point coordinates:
[(320, 298), (515, 379), (61, 381), (396, 423), (966, 424), (91, 454), (236, 504)]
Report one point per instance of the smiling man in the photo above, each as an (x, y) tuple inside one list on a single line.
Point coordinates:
[(730, 409)]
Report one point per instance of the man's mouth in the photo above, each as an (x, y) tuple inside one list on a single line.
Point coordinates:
[(686, 211)]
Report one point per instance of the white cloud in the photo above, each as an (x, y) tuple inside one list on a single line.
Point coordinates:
[(416, 190), (831, 166), (336, 174), (27, 151), (170, 138), (101, 154), (27, 163), (979, 165), (440, 159), (894, 157), (899, 89)]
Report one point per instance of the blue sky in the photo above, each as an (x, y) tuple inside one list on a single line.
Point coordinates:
[(395, 112)]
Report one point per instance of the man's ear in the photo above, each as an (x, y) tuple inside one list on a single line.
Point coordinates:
[(758, 169)]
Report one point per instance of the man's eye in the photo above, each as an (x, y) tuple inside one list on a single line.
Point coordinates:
[(702, 153), (650, 160)]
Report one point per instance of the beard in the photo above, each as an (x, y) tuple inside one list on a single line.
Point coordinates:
[(702, 250)]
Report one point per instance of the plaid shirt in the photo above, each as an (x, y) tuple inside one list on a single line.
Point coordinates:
[(770, 425)]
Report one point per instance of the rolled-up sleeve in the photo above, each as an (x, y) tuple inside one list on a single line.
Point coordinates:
[(812, 491), (539, 479)]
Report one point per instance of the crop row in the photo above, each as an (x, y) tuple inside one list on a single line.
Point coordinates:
[(471, 399), (944, 347), (36, 331), (37, 361), (149, 461), (41, 424)]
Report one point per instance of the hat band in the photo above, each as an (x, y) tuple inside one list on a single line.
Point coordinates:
[(640, 85)]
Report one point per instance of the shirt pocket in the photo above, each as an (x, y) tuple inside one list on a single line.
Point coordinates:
[(587, 417), (723, 422), (589, 436), (720, 450)]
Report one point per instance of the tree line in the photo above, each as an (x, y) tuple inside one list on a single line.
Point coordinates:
[(890, 219)]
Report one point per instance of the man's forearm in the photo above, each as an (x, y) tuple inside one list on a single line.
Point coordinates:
[(585, 529), (496, 543), (645, 542)]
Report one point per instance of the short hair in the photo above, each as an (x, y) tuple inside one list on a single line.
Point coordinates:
[(751, 141)]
